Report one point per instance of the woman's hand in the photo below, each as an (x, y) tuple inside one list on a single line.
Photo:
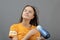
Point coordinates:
[(15, 38), (40, 38), (32, 32)]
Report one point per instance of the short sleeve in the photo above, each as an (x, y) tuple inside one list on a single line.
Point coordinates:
[(13, 31)]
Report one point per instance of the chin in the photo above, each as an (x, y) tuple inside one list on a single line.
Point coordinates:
[(26, 18)]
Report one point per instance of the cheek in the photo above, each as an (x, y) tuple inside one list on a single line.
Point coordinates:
[(31, 17), (25, 16), (22, 15)]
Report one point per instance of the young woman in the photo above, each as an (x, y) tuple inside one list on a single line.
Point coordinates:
[(26, 28)]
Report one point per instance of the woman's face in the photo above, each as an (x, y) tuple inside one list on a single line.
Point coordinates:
[(28, 13)]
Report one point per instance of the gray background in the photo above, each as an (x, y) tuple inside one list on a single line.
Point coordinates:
[(49, 15)]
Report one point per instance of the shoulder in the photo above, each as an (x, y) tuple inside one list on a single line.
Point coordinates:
[(33, 26), (15, 25)]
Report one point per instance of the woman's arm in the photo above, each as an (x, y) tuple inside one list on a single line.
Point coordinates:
[(40, 38), (29, 34), (14, 38)]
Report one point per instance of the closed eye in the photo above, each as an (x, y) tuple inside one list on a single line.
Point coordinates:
[(25, 10)]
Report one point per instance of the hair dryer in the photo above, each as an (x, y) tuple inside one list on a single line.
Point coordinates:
[(43, 32)]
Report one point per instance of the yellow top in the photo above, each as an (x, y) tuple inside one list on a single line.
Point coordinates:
[(20, 31)]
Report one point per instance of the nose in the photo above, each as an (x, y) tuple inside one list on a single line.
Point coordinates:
[(27, 12)]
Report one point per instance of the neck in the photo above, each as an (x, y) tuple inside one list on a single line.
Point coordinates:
[(26, 23)]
